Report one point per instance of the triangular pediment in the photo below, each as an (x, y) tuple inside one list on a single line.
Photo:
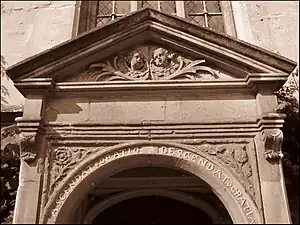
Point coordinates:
[(112, 52)]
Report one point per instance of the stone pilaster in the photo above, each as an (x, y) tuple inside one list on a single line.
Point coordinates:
[(268, 145), (31, 153)]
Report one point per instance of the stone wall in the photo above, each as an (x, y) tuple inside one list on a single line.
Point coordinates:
[(29, 27), (275, 26)]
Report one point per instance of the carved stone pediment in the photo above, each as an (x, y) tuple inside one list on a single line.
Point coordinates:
[(89, 53), (147, 63)]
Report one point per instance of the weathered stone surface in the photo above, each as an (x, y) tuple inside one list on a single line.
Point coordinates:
[(212, 129), (273, 25), (30, 27)]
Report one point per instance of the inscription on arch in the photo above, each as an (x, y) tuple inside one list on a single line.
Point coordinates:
[(228, 181)]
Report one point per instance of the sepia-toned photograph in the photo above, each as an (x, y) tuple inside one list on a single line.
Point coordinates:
[(149, 112)]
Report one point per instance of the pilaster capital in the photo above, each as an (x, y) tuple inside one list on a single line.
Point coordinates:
[(32, 131)]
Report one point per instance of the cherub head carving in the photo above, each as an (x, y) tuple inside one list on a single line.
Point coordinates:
[(161, 57), (138, 61)]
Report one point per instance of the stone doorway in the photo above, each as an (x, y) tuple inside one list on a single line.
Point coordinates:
[(152, 210), (152, 195)]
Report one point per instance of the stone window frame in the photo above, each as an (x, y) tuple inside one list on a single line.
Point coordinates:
[(86, 15)]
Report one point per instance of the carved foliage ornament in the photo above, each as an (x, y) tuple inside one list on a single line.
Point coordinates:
[(22, 144), (65, 159), (28, 147), (235, 156), (238, 152), (161, 65)]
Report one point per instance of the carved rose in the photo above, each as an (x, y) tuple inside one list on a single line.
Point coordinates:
[(62, 156), (240, 155)]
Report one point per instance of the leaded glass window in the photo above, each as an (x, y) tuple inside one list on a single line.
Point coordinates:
[(203, 13), (164, 6), (110, 10)]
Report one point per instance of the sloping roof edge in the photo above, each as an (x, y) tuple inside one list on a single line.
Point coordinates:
[(149, 14)]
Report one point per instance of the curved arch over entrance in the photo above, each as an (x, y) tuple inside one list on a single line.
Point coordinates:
[(175, 195), (152, 210), (101, 165)]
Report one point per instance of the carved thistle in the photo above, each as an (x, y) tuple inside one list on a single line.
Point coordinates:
[(160, 65), (273, 142)]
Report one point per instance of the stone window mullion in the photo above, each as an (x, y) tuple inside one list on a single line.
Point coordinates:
[(213, 14)]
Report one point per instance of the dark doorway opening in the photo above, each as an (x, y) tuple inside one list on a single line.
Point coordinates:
[(152, 210)]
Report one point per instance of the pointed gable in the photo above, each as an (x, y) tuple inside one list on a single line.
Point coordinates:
[(194, 53)]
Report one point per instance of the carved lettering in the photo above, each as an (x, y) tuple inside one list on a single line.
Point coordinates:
[(238, 194), (162, 150), (233, 189), (210, 166), (179, 153), (116, 155), (242, 200), (202, 161), (224, 179), (229, 184), (194, 157), (186, 155), (218, 173), (171, 151)]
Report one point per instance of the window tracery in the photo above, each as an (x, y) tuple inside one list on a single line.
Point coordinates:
[(209, 14)]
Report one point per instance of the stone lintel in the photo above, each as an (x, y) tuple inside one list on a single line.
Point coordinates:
[(251, 83)]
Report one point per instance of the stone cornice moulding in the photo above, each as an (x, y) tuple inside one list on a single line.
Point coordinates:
[(88, 132), (149, 21), (31, 125), (35, 86), (46, 85)]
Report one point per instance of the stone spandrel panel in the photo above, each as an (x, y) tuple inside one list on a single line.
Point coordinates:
[(149, 62)]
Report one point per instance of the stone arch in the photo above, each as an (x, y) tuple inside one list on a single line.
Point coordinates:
[(175, 195), (105, 163)]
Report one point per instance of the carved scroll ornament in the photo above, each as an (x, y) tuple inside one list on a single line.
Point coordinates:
[(163, 65), (273, 142), (23, 144), (28, 147)]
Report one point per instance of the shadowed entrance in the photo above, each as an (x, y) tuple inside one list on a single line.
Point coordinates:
[(152, 210), (153, 195)]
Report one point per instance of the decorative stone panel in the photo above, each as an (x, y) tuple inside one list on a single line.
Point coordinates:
[(148, 63)]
